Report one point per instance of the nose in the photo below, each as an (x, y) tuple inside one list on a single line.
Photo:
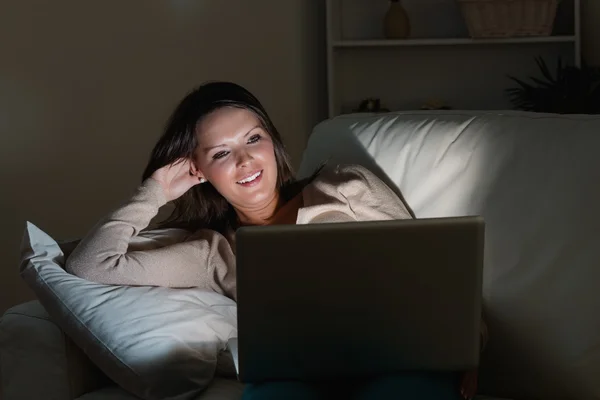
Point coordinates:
[(243, 158)]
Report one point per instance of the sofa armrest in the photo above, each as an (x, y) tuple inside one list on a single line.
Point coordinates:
[(37, 360)]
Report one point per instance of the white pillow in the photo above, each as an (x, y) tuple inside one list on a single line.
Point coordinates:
[(154, 342)]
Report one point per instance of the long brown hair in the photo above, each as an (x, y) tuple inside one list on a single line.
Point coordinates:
[(203, 206)]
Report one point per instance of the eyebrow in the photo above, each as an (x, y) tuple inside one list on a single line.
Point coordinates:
[(207, 149)]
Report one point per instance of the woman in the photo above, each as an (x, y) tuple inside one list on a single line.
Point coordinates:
[(223, 165)]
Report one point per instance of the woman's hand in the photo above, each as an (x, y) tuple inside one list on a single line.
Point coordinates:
[(176, 178), (468, 384)]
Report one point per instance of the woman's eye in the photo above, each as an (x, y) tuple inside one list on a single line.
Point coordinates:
[(220, 154), (254, 139)]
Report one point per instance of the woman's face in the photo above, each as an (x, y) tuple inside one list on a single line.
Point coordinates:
[(236, 155)]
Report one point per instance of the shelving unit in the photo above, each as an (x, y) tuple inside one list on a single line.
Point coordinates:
[(452, 41), (403, 73)]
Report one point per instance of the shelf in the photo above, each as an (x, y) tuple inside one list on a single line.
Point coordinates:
[(438, 61), (452, 41)]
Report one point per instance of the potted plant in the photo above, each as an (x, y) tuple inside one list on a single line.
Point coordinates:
[(572, 90)]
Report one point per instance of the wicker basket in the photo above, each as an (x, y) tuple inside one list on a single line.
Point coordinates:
[(509, 18)]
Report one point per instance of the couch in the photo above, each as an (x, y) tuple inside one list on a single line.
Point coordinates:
[(535, 178)]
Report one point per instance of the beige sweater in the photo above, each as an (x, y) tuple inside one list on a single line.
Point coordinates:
[(206, 258)]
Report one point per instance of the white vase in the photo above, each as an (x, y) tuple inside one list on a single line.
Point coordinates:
[(396, 23)]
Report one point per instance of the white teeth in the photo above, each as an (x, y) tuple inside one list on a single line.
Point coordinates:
[(250, 178)]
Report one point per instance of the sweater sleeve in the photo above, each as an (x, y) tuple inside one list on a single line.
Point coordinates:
[(346, 193), (204, 260)]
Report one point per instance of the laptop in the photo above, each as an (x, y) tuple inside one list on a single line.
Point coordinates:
[(332, 301)]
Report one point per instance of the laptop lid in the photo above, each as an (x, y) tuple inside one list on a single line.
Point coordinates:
[(326, 301)]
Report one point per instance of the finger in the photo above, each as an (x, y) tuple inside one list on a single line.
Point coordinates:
[(184, 163), (176, 163), (194, 180), (181, 165)]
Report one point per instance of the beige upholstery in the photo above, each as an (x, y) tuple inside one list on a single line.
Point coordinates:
[(37, 358)]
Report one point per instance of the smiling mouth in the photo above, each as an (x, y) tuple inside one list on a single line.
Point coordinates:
[(251, 178)]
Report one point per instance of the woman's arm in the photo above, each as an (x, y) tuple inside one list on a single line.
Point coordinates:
[(102, 256), (350, 193)]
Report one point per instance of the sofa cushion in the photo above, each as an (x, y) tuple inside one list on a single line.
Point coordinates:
[(219, 389), (535, 180), (154, 342), (34, 349)]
